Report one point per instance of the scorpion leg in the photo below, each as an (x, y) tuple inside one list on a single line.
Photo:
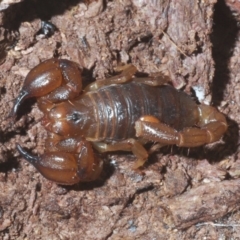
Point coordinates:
[(131, 145), (55, 79), (154, 80), (125, 76), (212, 127), (73, 161)]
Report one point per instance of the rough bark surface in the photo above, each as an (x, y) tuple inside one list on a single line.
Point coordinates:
[(181, 193)]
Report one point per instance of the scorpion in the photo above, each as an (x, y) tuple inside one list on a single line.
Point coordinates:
[(120, 113)]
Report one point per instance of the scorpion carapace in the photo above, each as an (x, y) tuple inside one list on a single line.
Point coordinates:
[(118, 113)]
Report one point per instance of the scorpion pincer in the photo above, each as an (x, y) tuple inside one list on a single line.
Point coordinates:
[(118, 113)]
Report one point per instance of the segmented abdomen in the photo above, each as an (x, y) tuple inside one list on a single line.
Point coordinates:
[(118, 107)]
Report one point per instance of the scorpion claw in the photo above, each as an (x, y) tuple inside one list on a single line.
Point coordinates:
[(30, 158), (60, 167), (66, 168), (22, 96)]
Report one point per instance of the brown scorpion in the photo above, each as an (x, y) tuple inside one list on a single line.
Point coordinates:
[(118, 113)]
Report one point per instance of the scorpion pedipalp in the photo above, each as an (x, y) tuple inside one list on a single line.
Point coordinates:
[(66, 168), (56, 80)]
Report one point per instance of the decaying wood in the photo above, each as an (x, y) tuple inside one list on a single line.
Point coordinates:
[(178, 188)]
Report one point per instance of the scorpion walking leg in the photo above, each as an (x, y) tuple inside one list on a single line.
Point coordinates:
[(125, 76), (131, 145), (154, 80), (73, 161), (212, 127)]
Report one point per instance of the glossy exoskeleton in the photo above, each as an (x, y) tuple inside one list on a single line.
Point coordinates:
[(118, 113)]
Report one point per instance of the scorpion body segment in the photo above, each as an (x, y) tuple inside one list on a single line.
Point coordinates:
[(119, 113)]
